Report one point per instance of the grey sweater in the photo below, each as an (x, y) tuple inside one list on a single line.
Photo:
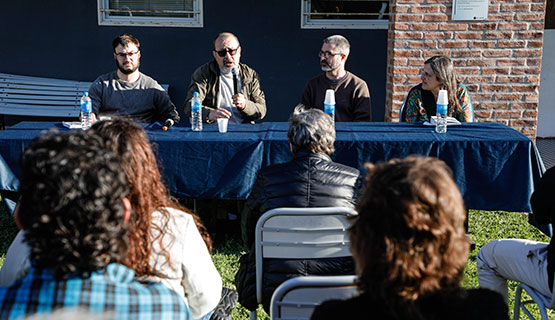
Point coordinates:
[(144, 100)]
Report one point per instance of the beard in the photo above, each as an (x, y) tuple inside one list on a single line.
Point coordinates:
[(326, 66), (125, 70)]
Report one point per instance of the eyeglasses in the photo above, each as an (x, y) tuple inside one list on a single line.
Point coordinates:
[(223, 52), (122, 55), (327, 54)]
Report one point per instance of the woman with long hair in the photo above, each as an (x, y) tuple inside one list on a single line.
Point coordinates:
[(166, 243), (438, 73), (410, 249)]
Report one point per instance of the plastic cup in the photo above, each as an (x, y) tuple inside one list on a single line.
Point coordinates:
[(222, 124), (330, 97), (442, 97)]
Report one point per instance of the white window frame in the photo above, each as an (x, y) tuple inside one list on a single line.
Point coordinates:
[(307, 23), (104, 18)]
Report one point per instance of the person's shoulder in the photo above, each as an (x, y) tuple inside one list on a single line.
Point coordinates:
[(461, 89), (179, 216), (106, 77), (210, 66), (146, 78), (353, 77), (417, 89), (204, 70), (274, 169), (245, 69), (345, 309), (344, 169), (466, 303), (319, 77)]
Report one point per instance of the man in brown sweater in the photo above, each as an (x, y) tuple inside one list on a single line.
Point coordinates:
[(352, 98)]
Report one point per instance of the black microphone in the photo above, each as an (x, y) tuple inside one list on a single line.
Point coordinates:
[(235, 81)]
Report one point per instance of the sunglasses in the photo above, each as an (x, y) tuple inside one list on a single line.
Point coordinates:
[(223, 52)]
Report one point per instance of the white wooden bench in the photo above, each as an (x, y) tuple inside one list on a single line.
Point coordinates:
[(41, 97), (36, 96)]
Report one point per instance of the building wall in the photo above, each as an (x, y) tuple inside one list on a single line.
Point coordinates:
[(546, 112), (499, 60), (62, 39)]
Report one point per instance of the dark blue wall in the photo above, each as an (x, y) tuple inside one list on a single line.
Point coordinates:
[(62, 39)]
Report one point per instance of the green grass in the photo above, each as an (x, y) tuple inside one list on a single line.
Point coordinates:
[(484, 226)]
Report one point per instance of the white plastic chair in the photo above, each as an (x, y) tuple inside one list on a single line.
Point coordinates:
[(542, 301), (301, 233), (296, 298)]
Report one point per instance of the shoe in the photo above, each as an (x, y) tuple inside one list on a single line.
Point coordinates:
[(226, 304)]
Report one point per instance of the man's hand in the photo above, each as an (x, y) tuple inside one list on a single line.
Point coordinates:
[(239, 101), (218, 113)]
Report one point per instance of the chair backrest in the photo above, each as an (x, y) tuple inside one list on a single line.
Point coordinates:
[(296, 298), (301, 233)]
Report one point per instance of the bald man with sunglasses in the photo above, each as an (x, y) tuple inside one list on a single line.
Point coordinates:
[(226, 87)]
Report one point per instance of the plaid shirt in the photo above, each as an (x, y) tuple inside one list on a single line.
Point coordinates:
[(112, 289)]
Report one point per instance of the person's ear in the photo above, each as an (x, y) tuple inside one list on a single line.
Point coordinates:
[(126, 210)]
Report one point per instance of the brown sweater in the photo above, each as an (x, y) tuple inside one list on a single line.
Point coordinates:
[(352, 98)]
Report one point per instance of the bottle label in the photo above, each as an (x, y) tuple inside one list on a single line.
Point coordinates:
[(86, 107), (329, 108), (442, 109), (196, 107)]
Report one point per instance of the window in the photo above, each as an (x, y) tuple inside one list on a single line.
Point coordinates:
[(156, 13), (344, 14)]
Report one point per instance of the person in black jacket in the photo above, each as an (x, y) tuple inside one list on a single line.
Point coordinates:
[(410, 249), (311, 179), (527, 261)]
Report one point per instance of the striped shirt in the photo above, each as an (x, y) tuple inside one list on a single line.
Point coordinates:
[(110, 290)]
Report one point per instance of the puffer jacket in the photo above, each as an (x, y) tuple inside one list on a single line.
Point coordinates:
[(309, 180)]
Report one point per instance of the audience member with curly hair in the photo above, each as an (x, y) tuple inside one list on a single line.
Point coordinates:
[(164, 242), (75, 211), (410, 249)]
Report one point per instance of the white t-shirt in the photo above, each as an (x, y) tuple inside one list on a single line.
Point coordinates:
[(226, 96)]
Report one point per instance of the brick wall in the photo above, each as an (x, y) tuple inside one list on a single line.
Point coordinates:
[(499, 60)]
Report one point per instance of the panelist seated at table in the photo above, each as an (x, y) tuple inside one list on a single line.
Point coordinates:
[(352, 97), (311, 179), (127, 91), (226, 87), (410, 249), (438, 73)]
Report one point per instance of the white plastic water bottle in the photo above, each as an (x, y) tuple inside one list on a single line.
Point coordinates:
[(196, 113), (329, 103), (441, 113), (86, 111)]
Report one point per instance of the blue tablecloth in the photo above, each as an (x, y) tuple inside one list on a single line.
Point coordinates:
[(495, 166)]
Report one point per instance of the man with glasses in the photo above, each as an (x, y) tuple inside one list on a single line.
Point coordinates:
[(226, 87), (127, 91), (352, 98)]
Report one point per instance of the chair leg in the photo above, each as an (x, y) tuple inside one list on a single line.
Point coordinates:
[(253, 315), (516, 310)]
